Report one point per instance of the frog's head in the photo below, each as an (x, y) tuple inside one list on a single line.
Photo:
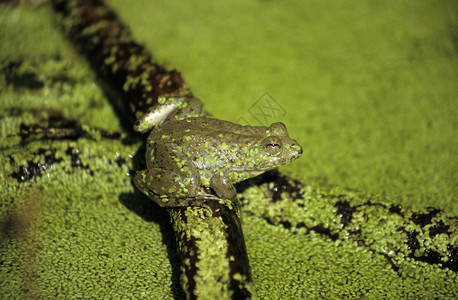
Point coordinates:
[(277, 148)]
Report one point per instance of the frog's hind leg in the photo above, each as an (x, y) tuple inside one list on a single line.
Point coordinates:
[(171, 177), (164, 187)]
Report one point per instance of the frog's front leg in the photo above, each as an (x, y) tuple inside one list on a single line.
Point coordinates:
[(171, 179), (223, 186)]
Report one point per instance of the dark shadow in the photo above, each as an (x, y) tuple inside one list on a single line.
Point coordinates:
[(115, 98), (149, 211), (266, 177)]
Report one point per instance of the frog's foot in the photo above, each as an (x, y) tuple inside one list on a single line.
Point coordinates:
[(200, 200), (205, 197), (168, 108), (186, 107)]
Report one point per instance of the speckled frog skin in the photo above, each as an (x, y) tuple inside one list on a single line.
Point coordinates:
[(186, 156)]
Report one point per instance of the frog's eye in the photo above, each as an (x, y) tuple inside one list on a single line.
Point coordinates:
[(278, 129), (272, 145)]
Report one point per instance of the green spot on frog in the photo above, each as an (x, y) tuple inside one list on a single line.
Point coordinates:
[(224, 146), (161, 100)]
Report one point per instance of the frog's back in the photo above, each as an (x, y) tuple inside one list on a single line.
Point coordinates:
[(206, 129)]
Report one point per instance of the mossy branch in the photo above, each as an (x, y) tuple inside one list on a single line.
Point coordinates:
[(129, 69), (119, 60)]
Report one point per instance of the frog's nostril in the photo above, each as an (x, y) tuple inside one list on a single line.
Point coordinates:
[(297, 147)]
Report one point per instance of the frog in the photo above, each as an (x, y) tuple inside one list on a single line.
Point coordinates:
[(194, 159)]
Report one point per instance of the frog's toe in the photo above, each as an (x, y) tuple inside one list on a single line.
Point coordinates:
[(202, 196)]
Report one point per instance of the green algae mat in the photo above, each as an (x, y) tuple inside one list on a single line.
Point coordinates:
[(369, 90)]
